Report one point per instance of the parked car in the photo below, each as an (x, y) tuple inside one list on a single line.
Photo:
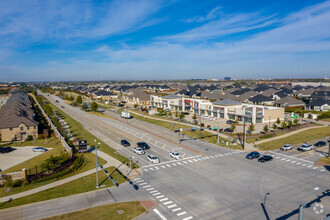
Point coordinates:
[(252, 155), (175, 155), (39, 149), (227, 130), (229, 122), (153, 159), (265, 158), (56, 100), (320, 143), (125, 143), (139, 150), (205, 117), (62, 106), (305, 147), (6, 149), (286, 147), (143, 145)]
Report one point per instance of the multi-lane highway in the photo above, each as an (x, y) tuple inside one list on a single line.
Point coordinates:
[(212, 182)]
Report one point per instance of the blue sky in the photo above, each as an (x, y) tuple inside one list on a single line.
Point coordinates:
[(169, 39)]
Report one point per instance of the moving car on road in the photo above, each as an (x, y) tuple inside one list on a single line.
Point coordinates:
[(39, 149), (139, 150), (305, 147), (320, 143), (286, 147), (125, 143), (252, 155), (143, 145), (175, 155), (6, 149), (153, 159), (265, 158)]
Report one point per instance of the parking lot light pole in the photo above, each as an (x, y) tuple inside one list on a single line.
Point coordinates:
[(97, 175), (329, 148), (267, 194), (301, 207)]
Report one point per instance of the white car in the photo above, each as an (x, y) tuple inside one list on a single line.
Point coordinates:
[(39, 149), (139, 150), (153, 159), (286, 147), (205, 117), (175, 155), (305, 147)]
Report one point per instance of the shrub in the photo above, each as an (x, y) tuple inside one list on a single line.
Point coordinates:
[(17, 183), (29, 138)]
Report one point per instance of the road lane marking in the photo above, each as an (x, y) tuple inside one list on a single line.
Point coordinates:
[(159, 214), (190, 161), (145, 169), (168, 165), (212, 157), (188, 218), (155, 194), (185, 162), (139, 181), (166, 203), (179, 163), (293, 162), (137, 178), (157, 168), (154, 191), (141, 184), (151, 168), (309, 166), (146, 186), (322, 170), (171, 206), (181, 213), (173, 164), (161, 196), (163, 167), (195, 160), (150, 189), (162, 200), (175, 210), (314, 168)]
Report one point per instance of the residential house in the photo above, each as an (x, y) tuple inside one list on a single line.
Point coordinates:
[(289, 102), (260, 100), (318, 105)]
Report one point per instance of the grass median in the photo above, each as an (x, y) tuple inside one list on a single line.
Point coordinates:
[(298, 138), (325, 161), (81, 185)]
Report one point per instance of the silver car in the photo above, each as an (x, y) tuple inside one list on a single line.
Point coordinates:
[(139, 150), (286, 147), (153, 159), (39, 149)]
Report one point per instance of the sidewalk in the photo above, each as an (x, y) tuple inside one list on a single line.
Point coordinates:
[(110, 162), (285, 135)]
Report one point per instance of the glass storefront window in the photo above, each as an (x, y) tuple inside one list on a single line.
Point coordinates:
[(215, 114), (209, 113)]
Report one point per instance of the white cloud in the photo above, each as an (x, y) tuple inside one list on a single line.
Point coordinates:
[(214, 13)]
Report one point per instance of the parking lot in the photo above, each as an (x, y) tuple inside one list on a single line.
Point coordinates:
[(17, 156)]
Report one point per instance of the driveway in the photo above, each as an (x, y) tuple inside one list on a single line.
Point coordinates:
[(17, 156)]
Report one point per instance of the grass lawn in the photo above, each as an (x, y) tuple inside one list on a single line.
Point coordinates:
[(81, 185), (300, 137), (105, 106), (204, 135), (105, 212), (80, 132), (325, 119), (325, 160)]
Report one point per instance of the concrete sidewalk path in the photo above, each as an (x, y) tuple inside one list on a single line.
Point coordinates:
[(110, 162)]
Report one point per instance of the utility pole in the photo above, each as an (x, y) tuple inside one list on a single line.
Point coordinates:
[(200, 122), (269, 123), (244, 132), (301, 207), (329, 148), (97, 175), (218, 134)]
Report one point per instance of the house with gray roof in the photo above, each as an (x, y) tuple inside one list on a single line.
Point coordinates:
[(289, 101)]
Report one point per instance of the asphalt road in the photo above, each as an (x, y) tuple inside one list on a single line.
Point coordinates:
[(212, 182)]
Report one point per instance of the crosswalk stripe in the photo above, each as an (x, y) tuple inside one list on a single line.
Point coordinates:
[(161, 200), (171, 206), (181, 213), (175, 210), (166, 203), (188, 218)]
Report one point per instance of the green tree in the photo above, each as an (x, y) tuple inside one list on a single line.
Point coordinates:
[(61, 93), (182, 116), (233, 128), (251, 127), (266, 128), (84, 106), (290, 124), (278, 121), (34, 92), (79, 99), (194, 117), (66, 96), (284, 125), (136, 105), (94, 106), (274, 127), (309, 116), (296, 121), (177, 114)]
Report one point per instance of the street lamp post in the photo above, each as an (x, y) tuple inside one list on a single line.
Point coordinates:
[(97, 175), (329, 148), (301, 207), (267, 194)]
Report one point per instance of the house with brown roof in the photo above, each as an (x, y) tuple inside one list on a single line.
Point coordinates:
[(17, 118)]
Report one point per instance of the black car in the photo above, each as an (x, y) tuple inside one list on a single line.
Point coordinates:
[(227, 130), (320, 143), (265, 158), (230, 122), (253, 155), (125, 143), (6, 149), (143, 145)]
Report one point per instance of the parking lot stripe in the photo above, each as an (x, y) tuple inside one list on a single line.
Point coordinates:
[(155, 194), (162, 200), (190, 161), (146, 186), (171, 206), (137, 179), (185, 161), (168, 165), (166, 203), (141, 184), (179, 163), (151, 168), (173, 164), (293, 161), (161, 196), (175, 210), (150, 189), (157, 168), (181, 213), (145, 169), (188, 218), (154, 191), (314, 168), (159, 214)]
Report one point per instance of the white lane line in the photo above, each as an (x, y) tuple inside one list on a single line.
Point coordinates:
[(145, 169), (181, 213), (185, 161), (217, 155), (141, 184), (225, 154), (322, 170), (314, 168), (161, 196), (171, 206), (155, 194), (154, 191), (157, 168), (283, 159), (173, 164), (288, 160), (166, 203), (179, 163), (150, 189), (139, 181), (162, 200), (188, 218), (199, 159), (160, 214), (175, 210), (292, 157), (293, 162), (168, 165), (298, 163), (220, 155), (162, 166), (203, 158), (151, 168), (190, 161), (207, 158), (309, 166), (195, 160), (304, 165), (278, 157), (146, 186)]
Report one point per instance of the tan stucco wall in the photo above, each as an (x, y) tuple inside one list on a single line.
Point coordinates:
[(273, 114)]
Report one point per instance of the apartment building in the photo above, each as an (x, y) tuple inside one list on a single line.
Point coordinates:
[(225, 109), (17, 118)]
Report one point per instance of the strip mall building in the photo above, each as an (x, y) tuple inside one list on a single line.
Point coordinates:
[(226, 109)]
